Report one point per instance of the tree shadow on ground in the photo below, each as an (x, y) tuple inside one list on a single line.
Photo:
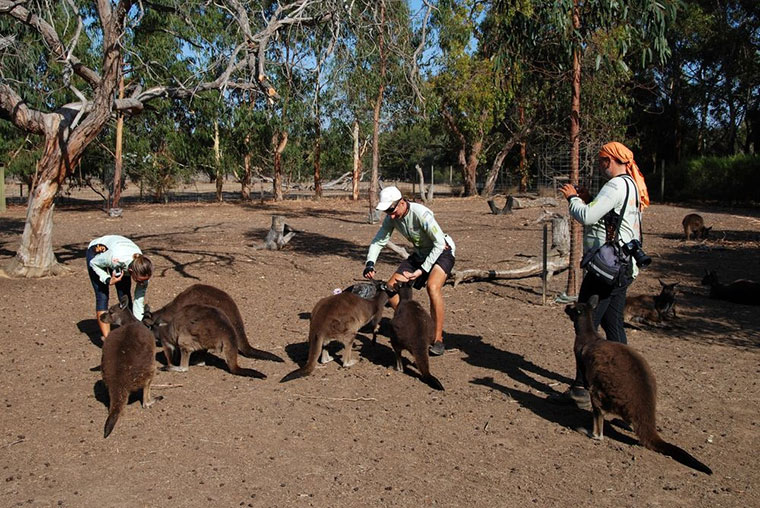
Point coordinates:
[(567, 416), (315, 244), (349, 217)]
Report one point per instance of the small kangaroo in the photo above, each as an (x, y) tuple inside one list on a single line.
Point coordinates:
[(339, 317), (650, 309), (127, 363), (413, 330), (198, 328), (620, 381), (739, 291), (694, 224), (202, 294)]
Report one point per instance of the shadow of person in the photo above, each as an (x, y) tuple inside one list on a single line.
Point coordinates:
[(568, 416), (92, 330)]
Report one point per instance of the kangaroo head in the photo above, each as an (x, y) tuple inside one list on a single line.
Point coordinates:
[(705, 232), (404, 289), (667, 297), (118, 314), (577, 309)]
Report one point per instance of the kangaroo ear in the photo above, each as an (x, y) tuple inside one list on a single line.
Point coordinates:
[(662, 283), (593, 301), (123, 301)]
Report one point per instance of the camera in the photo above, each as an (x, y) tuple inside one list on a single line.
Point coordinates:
[(633, 249), (117, 272)]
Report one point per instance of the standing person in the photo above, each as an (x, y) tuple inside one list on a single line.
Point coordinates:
[(431, 262), (600, 218), (113, 260)]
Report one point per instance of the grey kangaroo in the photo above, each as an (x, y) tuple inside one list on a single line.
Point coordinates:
[(650, 309), (339, 317), (198, 328), (739, 291), (413, 330), (202, 294), (620, 381), (694, 224), (127, 364)]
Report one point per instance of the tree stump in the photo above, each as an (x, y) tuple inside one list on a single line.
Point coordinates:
[(279, 234)]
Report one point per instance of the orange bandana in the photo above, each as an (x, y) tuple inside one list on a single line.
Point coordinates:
[(622, 154)]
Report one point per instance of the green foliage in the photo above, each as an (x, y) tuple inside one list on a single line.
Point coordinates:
[(726, 179)]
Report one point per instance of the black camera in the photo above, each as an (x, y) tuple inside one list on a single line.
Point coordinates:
[(633, 249), (117, 272)]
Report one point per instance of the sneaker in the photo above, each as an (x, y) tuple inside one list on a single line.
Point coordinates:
[(574, 395), (437, 348)]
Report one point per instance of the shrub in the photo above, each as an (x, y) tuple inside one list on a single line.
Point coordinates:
[(735, 178)]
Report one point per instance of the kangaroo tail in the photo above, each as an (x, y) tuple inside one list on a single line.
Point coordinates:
[(679, 454), (231, 355), (433, 382), (251, 352), (240, 371), (315, 348), (118, 401), (423, 365)]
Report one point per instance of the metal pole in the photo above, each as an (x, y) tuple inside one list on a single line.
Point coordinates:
[(543, 272)]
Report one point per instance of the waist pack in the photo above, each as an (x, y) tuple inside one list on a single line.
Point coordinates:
[(608, 264)]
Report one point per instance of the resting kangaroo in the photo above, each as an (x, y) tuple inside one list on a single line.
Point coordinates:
[(652, 309), (694, 224), (620, 381), (413, 330), (739, 291), (339, 317), (127, 364), (198, 328), (201, 294)]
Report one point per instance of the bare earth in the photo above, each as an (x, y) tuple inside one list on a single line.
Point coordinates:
[(369, 435)]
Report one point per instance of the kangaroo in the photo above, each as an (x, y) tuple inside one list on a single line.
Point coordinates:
[(202, 294), (413, 330), (652, 309), (339, 317), (739, 291), (127, 363), (198, 328), (694, 224), (620, 381)]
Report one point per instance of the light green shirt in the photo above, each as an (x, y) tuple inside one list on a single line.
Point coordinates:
[(119, 256)]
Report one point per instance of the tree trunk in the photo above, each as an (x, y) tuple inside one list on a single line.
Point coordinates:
[(280, 141), (576, 240), (523, 167), (373, 216), (117, 163), (357, 163), (218, 162), (317, 162), (245, 181), (493, 173)]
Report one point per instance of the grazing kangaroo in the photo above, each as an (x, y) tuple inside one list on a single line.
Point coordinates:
[(694, 224), (413, 330), (202, 294), (739, 291), (198, 328), (650, 309), (620, 381), (339, 317), (127, 363)]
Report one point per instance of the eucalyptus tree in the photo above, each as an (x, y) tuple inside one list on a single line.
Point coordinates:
[(80, 48)]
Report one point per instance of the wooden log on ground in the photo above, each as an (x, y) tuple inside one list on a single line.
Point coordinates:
[(519, 202), (532, 269)]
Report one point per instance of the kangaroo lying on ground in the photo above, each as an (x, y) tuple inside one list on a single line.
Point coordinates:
[(127, 363), (413, 330), (198, 328), (650, 309), (620, 381), (339, 317), (694, 224), (739, 291), (202, 294)]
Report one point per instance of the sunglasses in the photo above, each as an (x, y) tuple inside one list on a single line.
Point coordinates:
[(392, 209)]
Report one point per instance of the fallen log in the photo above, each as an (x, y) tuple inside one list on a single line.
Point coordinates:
[(532, 269), (520, 202)]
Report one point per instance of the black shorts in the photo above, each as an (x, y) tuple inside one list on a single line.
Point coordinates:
[(413, 262)]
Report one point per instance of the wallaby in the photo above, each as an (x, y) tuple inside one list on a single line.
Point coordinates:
[(650, 309), (127, 364), (694, 224), (339, 317), (739, 291), (198, 328), (202, 294), (620, 381), (413, 330)]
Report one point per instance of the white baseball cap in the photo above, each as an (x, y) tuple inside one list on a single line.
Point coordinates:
[(388, 196)]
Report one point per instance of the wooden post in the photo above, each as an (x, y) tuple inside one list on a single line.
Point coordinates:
[(2, 187), (662, 180), (543, 270)]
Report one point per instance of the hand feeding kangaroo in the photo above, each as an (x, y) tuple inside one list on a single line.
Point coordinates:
[(652, 309), (739, 291), (620, 381), (413, 330), (339, 317), (694, 224), (202, 294), (127, 363), (198, 328)]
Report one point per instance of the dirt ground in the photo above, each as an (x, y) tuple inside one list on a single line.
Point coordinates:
[(369, 435)]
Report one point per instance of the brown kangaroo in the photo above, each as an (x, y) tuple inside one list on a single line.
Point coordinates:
[(339, 317), (620, 381), (694, 224), (202, 294), (127, 363), (198, 328), (739, 291), (650, 309), (413, 330)]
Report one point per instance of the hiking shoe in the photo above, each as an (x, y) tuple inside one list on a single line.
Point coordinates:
[(574, 395), (437, 348)]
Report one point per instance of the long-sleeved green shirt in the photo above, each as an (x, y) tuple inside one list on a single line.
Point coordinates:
[(421, 229), (119, 255)]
